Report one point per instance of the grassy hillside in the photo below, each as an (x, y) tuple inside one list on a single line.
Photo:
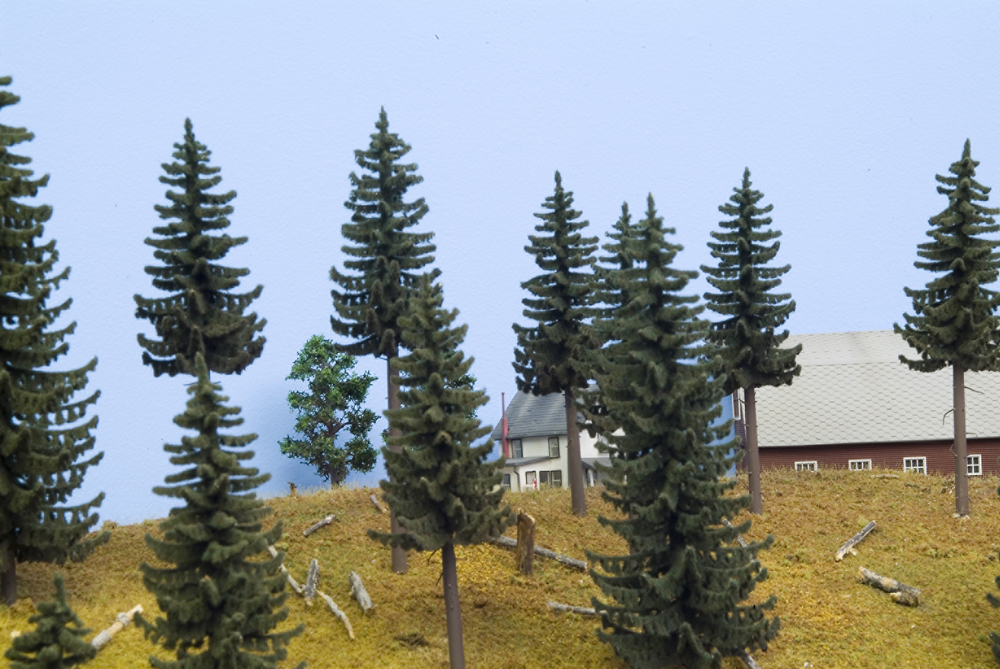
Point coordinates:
[(828, 619)]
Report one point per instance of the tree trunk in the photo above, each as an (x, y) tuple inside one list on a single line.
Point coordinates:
[(753, 456), (8, 578), (961, 468), (453, 610), (574, 465), (398, 553)]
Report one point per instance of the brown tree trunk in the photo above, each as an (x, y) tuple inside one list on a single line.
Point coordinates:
[(753, 455), (961, 468), (453, 610), (8, 578), (398, 554), (574, 465), (524, 556)]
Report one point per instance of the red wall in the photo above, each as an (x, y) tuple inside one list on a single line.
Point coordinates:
[(940, 459)]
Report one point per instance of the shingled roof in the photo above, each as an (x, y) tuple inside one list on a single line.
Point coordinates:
[(853, 389), (531, 416)]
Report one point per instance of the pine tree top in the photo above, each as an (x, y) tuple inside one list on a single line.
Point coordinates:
[(443, 490), (752, 311), (57, 640), (384, 257), (554, 355), (954, 319), (202, 314)]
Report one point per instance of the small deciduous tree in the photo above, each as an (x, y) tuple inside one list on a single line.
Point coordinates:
[(443, 490), (202, 314), (555, 355), (747, 335), (216, 597), (335, 400), (678, 597), (57, 640)]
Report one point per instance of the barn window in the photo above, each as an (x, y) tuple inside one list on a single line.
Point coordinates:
[(806, 466), (916, 465), (974, 465), (858, 465)]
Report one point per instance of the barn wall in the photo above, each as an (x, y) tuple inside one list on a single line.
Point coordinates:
[(940, 459)]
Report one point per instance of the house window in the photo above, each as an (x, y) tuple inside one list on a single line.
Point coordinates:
[(506, 482), (858, 465), (736, 405), (974, 465), (553, 447), (515, 449), (917, 465), (529, 481), (806, 466), (552, 479)]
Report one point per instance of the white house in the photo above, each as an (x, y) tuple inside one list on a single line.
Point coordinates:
[(536, 441)]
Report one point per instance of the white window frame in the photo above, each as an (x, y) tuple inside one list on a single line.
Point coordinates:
[(974, 467), (917, 464), (556, 440), (550, 479), (807, 466), (859, 465)]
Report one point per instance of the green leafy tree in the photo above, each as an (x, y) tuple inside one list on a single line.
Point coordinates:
[(954, 321), (335, 400), (752, 312), (44, 433), (217, 597), (443, 490), (384, 261), (677, 594), (57, 640), (202, 314), (555, 355)]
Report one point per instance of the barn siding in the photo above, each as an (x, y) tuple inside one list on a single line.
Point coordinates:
[(940, 459)]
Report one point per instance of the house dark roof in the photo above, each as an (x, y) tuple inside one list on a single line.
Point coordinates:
[(531, 416), (853, 390)]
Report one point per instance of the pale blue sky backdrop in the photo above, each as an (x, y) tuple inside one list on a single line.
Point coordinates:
[(843, 111)]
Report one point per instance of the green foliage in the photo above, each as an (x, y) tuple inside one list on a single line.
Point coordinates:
[(554, 355), (443, 490), (384, 257), (57, 640), (751, 312), (213, 592), (43, 432), (335, 400), (676, 595), (954, 320), (202, 314)]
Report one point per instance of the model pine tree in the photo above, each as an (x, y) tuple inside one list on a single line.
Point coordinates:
[(334, 402), (202, 313), (679, 597), (220, 602), (57, 640), (443, 490), (554, 356), (747, 335), (44, 431), (954, 320), (385, 261)]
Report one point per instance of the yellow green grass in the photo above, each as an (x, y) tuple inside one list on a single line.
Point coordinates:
[(828, 619)]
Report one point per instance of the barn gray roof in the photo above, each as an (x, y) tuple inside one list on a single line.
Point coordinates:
[(854, 389), (531, 416)]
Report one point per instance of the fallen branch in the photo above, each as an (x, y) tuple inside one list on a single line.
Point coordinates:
[(566, 608), (885, 476), (359, 592), (312, 580), (291, 581), (121, 621), (749, 661), (544, 552), (377, 504), (849, 545), (899, 592), (337, 612), (739, 539), (321, 524)]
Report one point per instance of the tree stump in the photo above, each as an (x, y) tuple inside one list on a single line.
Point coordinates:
[(525, 553)]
